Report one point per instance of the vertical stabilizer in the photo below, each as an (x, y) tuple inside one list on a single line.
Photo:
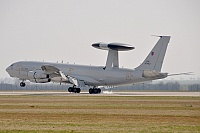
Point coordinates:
[(155, 58)]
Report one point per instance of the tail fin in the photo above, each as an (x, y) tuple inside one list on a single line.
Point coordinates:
[(155, 58)]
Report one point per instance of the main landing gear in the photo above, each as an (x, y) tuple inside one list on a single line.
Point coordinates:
[(78, 90), (22, 84), (74, 89), (94, 90)]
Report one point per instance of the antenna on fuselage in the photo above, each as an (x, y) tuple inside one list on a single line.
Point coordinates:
[(113, 48)]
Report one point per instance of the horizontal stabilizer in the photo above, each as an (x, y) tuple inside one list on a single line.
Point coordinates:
[(153, 74), (188, 73)]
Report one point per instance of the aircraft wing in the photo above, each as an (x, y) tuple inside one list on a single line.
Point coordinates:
[(56, 74), (73, 79), (49, 69)]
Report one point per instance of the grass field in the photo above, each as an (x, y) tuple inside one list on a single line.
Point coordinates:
[(41, 113)]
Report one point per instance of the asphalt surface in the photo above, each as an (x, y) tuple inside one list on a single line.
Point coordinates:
[(104, 93)]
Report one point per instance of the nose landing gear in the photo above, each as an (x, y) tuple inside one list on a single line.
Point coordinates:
[(22, 84)]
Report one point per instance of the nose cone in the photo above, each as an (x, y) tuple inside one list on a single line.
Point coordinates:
[(7, 69)]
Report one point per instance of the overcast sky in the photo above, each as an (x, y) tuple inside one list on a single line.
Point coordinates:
[(56, 30)]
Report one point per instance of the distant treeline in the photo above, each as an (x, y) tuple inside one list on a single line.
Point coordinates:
[(170, 86)]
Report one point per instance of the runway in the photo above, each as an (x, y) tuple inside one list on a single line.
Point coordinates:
[(104, 93)]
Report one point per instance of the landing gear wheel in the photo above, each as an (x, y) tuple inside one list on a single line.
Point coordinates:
[(94, 90), (71, 89), (91, 91), (99, 90), (75, 90), (78, 90), (22, 84)]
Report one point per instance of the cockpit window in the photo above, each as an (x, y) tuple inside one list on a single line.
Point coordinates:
[(11, 66)]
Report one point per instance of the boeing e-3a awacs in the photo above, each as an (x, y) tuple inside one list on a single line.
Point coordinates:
[(94, 76)]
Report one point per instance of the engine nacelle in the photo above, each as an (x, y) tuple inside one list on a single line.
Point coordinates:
[(37, 74), (46, 80)]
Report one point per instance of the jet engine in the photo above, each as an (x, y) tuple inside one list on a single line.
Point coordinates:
[(38, 76), (40, 80)]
